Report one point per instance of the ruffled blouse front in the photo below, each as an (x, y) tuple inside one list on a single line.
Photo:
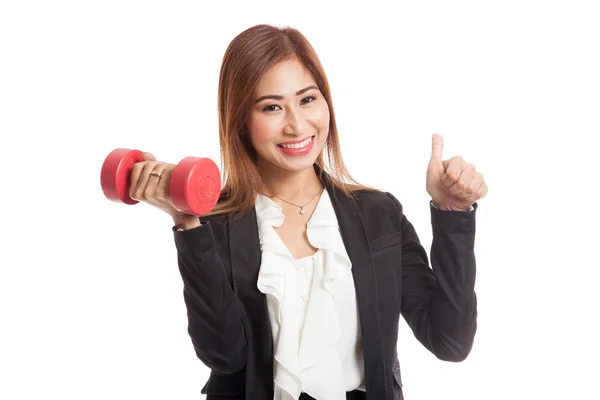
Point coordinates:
[(312, 307)]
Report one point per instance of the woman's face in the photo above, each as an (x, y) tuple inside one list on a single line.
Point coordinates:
[(289, 120)]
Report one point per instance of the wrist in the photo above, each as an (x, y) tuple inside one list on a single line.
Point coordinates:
[(186, 221), (449, 208)]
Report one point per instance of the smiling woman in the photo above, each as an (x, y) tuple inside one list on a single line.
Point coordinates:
[(296, 280), (273, 97)]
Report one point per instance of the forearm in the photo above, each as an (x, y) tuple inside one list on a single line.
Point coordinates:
[(214, 318), (439, 303), (448, 318)]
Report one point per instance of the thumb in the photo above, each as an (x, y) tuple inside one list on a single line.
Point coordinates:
[(437, 147), (149, 157)]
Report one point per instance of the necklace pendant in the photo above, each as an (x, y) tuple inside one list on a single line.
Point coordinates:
[(301, 211)]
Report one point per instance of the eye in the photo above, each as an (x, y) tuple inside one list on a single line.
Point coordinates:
[(270, 107), (308, 99)]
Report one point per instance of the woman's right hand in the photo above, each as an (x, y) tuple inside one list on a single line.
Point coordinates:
[(150, 182)]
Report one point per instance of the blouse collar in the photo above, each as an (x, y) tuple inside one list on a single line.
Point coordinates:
[(322, 228)]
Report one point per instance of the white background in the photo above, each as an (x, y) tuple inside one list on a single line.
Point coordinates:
[(91, 302)]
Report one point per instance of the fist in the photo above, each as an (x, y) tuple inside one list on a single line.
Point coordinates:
[(453, 184), (150, 181)]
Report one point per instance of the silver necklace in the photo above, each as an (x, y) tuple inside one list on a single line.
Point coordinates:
[(301, 207)]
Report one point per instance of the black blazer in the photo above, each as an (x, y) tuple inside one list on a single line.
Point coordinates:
[(228, 319)]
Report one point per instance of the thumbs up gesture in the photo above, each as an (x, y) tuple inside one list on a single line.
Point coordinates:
[(453, 184)]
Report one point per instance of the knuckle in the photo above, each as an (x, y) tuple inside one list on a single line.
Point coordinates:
[(149, 193), (138, 167), (150, 165), (159, 194)]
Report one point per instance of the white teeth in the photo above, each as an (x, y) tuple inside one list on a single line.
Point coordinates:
[(297, 145)]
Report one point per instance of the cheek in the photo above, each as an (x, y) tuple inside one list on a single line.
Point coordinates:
[(321, 119), (261, 131), (321, 116)]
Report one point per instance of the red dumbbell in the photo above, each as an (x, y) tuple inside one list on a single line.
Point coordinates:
[(195, 182)]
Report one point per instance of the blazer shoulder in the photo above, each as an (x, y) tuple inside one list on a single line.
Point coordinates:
[(218, 219), (381, 213), (378, 201)]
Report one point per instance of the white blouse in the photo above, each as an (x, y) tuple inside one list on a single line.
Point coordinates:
[(312, 307)]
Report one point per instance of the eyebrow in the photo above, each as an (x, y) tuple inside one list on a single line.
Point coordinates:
[(276, 97)]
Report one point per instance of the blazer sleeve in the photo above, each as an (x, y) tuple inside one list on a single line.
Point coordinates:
[(439, 303), (214, 317)]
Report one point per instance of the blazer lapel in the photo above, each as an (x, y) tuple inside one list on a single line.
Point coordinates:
[(244, 248), (357, 246)]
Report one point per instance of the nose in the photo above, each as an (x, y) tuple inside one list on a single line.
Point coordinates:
[(294, 121)]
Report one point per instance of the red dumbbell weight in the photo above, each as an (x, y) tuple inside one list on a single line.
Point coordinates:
[(195, 182)]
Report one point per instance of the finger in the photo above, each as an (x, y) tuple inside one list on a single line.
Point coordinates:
[(437, 146), (143, 170), (463, 182), (163, 191), (473, 187), (134, 179), (149, 157), (482, 191), (156, 182), (453, 171)]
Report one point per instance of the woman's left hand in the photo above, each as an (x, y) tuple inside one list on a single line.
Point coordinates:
[(453, 184)]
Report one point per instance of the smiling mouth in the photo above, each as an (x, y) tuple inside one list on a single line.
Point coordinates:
[(299, 145)]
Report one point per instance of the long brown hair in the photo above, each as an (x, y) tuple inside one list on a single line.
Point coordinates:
[(247, 58)]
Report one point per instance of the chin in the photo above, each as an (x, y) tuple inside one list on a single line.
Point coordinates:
[(296, 165), (289, 164)]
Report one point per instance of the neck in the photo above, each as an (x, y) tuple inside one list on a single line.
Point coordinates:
[(290, 185)]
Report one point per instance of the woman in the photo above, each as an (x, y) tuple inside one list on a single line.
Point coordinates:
[(295, 282)]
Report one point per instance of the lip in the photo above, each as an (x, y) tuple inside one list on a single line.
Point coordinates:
[(295, 141), (298, 152)]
